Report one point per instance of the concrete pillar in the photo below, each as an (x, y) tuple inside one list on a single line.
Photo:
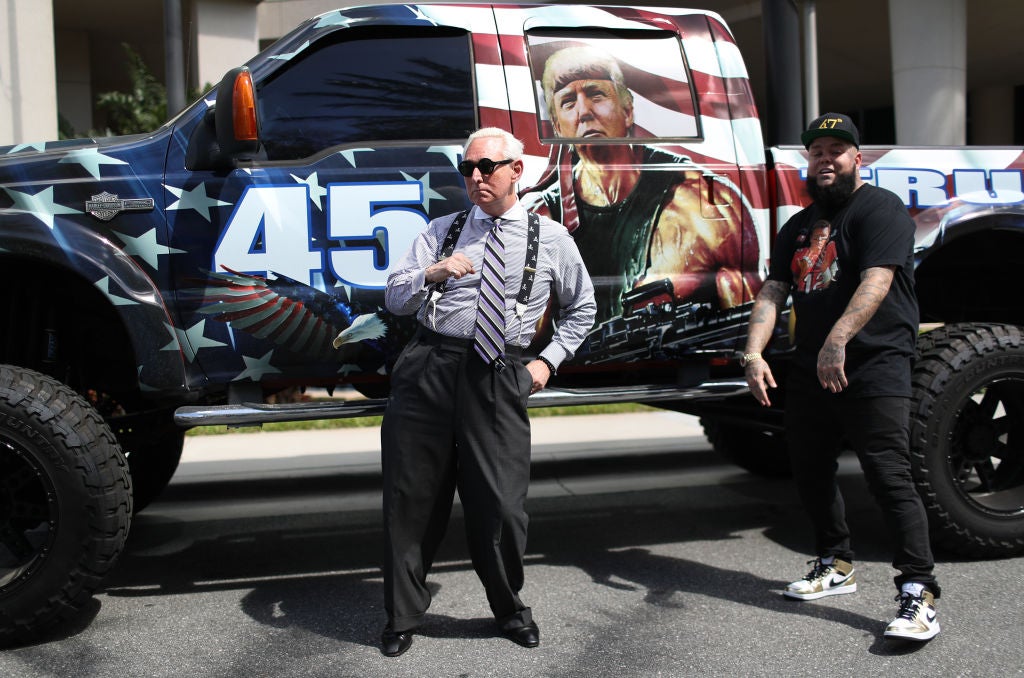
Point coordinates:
[(227, 36), (781, 27), (809, 19), (28, 72), (929, 70), (174, 63)]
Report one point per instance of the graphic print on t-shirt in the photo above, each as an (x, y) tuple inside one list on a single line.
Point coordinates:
[(815, 266)]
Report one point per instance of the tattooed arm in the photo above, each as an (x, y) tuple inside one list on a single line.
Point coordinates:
[(767, 306), (874, 285)]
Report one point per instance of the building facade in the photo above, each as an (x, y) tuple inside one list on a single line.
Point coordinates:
[(914, 72)]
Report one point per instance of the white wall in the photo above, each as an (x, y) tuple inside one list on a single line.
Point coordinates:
[(277, 17), (228, 36), (28, 91)]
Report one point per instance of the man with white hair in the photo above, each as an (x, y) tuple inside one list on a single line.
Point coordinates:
[(457, 414)]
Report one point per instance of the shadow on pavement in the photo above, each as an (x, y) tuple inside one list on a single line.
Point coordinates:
[(318, 570)]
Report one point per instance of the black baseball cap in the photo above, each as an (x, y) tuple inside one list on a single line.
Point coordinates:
[(837, 125)]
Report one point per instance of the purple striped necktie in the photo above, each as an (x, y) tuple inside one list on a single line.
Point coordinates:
[(489, 338)]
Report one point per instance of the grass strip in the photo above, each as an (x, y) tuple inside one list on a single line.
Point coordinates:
[(357, 422)]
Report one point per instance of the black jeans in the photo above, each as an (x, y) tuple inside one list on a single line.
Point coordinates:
[(877, 428)]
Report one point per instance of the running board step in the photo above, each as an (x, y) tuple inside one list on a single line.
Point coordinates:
[(253, 414)]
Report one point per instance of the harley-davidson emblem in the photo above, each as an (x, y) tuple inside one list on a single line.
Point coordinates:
[(106, 206)]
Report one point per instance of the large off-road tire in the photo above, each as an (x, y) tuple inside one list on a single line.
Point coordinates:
[(967, 437), (153, 443), (758, 451), (65, 502)]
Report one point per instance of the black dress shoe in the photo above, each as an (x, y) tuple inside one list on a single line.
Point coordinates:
[(527, 636), (393, 644)]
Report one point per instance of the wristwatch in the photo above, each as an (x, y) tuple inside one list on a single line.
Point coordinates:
[(750, 358)]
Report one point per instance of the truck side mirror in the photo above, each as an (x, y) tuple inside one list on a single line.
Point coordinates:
[(238, 130)]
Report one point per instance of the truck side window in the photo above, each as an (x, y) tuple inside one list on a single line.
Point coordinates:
[(373, 84), (612, 85)]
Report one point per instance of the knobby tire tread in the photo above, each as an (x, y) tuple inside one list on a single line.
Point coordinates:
[(944, 353), (103, 472)]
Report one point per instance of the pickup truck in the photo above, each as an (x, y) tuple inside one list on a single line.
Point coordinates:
[(178, 278)]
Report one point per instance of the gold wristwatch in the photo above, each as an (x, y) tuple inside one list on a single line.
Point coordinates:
[(750, 358)]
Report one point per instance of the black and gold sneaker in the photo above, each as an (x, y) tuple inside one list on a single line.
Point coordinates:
[(917, 618), (823, 580)]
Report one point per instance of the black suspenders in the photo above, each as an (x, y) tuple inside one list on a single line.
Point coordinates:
[(454, 231), (529, 270)]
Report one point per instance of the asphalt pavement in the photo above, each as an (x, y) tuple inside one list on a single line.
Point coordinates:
[(648, 556)]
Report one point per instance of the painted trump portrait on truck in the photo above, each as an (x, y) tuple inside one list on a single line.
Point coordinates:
[(656, 229)]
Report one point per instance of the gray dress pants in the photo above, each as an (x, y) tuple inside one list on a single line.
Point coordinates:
[(452, 422)]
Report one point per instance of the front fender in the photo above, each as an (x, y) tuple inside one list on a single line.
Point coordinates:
[(969, 272), (159, 361), (938, 226)]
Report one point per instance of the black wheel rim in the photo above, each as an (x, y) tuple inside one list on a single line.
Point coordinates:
[(27, 514), (986, 458)]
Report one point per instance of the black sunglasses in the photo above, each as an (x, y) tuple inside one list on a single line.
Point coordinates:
[(486, 166)]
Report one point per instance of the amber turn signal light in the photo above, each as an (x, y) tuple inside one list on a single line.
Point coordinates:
[(244, 107)]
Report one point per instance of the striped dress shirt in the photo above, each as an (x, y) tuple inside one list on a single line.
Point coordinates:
[(560, 270)]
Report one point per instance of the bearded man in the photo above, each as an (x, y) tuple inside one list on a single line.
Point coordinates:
[(849, 382)]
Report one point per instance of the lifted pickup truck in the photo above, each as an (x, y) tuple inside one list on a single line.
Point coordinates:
[(178, 278)]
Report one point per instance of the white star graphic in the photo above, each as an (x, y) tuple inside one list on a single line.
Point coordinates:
[(40, 205), (428, 193), (195, 199), (90, 159), (103, 284), (255, 368), (450, 152), (316, 192), (174, 344), (286, 56), (350, 154), (38, 145), (344, 286), (146, 247), (336, 18), (196, 338), (418, 14), (144, 387), (316, 281), (190, 340)]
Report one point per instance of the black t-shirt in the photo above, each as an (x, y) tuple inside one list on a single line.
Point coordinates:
[(822, 257)]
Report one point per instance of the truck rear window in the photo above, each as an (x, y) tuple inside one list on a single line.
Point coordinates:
[(374, 84)]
